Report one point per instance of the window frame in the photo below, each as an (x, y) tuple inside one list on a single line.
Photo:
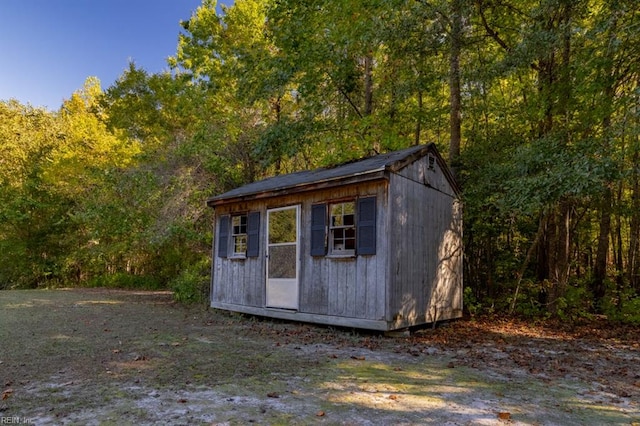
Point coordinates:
[(347, 226), (237, 237)]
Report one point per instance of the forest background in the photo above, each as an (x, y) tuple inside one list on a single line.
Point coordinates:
[(535, 104)]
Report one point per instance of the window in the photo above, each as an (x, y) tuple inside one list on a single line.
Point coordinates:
[(351, 228), (432, 162), (239, 234), (342, 228)]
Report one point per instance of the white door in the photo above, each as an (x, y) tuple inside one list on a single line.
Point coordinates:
[(283, 230)]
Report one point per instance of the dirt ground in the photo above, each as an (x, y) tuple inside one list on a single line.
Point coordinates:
[(100, 357)]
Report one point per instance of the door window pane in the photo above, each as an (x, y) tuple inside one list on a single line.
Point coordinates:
[(282, 226)]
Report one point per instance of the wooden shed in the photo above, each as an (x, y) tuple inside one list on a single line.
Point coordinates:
[(373, 244)]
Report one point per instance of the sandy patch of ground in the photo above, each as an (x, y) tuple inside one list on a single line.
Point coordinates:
[(119, 357)]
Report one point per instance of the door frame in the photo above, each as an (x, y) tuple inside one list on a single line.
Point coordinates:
[(283, 293)]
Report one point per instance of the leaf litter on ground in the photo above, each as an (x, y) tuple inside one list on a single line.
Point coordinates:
[(165, 362)]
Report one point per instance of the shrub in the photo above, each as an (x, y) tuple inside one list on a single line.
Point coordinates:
[(192, 285)]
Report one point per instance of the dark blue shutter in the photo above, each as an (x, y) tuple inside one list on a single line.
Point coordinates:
[(366, 237), (318, 229), (253, 234), (223, 236)]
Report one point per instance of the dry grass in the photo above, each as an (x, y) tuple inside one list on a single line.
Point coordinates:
[(123, 357)]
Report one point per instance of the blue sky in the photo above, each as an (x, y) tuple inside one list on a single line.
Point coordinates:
[(49, 47)]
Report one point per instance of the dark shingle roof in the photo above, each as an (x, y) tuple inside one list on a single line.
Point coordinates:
[(371, 165)]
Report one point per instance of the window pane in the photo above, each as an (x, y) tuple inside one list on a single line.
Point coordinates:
[(240, 244), (350, 239), (239, 224)]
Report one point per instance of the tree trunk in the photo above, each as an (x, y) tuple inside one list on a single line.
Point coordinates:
[(419, 119), (368, 85), (619, 256), (559, 257), (600, 267), (454, 86), (633, 262)]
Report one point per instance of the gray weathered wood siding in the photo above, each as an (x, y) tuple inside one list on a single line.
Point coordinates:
[(346, 287), (239, 281), (425, 231), (335, 287)]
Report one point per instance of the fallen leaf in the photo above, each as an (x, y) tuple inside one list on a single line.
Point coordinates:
[(320, 413), (504, 415)]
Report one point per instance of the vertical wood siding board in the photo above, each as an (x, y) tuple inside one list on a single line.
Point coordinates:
[(374, 283), (341, 293), (216, 287), (249, 295), (362, 286), (307, 283), (234, 281), (344, 293), (250, 289), (308, 291), (322, 293), (219, 285), (433, 253), (331, 285), (226, 280), (402, 251), (336, 288), (394, 251), (383, 262), (429, 255), (233, 288), (240, 282), (351, 284), (417, 278)]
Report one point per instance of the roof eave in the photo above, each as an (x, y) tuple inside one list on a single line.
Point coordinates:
[(367, 176)]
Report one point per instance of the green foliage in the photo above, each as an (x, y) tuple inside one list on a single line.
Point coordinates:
[(192, 284), (622, 307), (470, 302)]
